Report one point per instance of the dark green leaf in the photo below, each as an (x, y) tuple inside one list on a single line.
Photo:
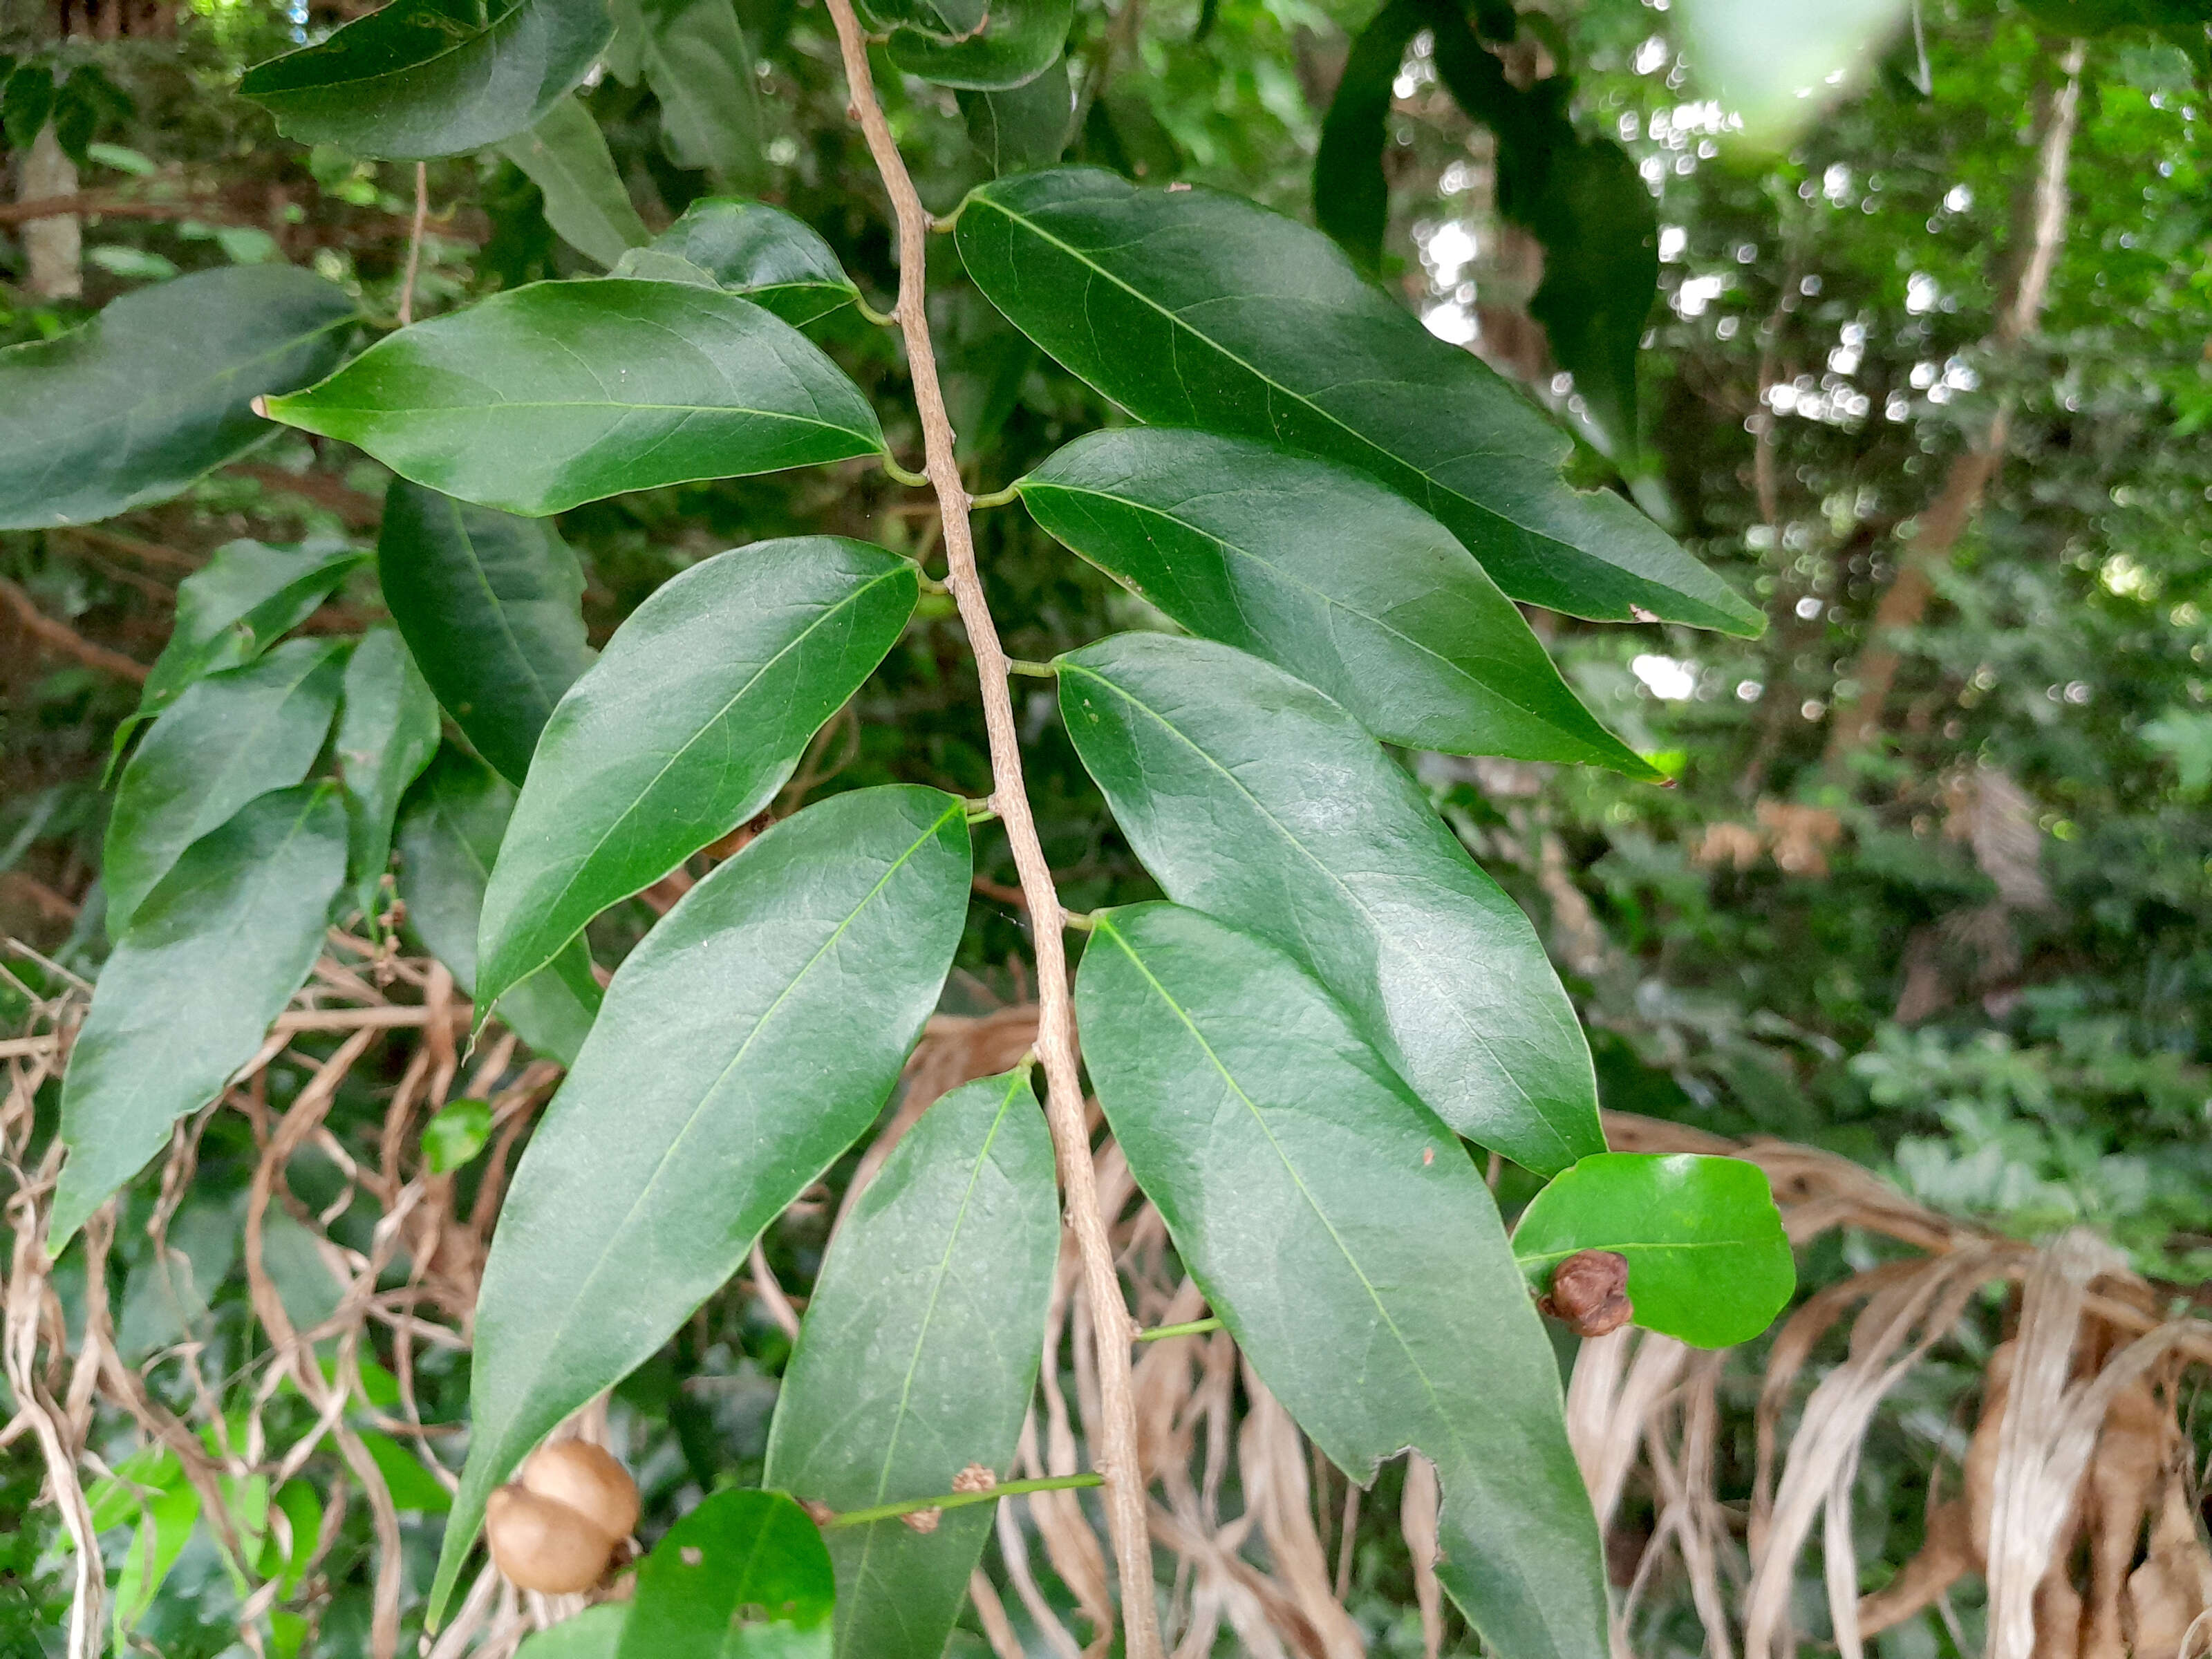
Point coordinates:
[(1251, 796), (1351, 192), (687, 725), (387, 732), (745, 1576), (1025, 127), (594, 1634), (1708, 1261), (983, 45), (76, 117), (565, 155), (918, 1355), (695, 57), (491, 607), (448, 837), (775, 260), (1341, 1234), (1321, 569), (212, 957), (228, 738), (1122, 132), (559, 393), (432, 77), (25, 103), (1197, 308), (155, 390), (456, 1134), (745, 1043)]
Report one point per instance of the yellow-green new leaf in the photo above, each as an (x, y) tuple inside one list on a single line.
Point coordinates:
[(555, 394), (744, 1045)]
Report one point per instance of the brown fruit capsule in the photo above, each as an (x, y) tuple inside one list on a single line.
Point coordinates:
[(588, 1480), (1589, 1292), (543, 1546)]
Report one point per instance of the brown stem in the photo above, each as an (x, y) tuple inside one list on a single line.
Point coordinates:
[(414, 243), (63, 638), (1116, 1459)]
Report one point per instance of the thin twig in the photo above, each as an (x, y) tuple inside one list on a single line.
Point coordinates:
[(1116, 1457), (414, 243), (63, 638)]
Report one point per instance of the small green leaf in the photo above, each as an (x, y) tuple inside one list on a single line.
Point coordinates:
[(25, 102), (449, 836), (1341, 1234), (1024, 127), (745, 1576), (1197, 308), (414, 1490), (982, 45), (745, 1044), (157, 389), (918, 1355), (228, 738), (237, 605), (1321, 570), (778, 262), (688, 725), (565, 155), (693, 55), (594, 1634), (456, 1134), (1250, 795), (539, 399), (491, 607), (387, 732), (1708, 1261), (422, 78), (214, 952), (165, 1520)]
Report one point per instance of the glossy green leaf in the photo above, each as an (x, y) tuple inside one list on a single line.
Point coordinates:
[(156, 389), (456, 1134), (687, 725), (1196, 308), (237, 605), (1251, 796), (778, 262), (917, 1357), (387, 732), (448, 837), (587, 205), (1321, 570), (693, 55), (422, 78), (1024, 127), (536, 400), (983, 45), (594, 1634), (1708, 1261), (745, 1576), (745, 1044), (491, 607), (213, 955), (228, 738), (1341, 1234)]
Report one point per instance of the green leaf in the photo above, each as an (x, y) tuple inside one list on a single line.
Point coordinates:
[(1025, 127), (594, 1634), (1350, 190), (387, 732), (422, 78), (25, 103), (1251, 796), (449, 836), (1341, 1234), (587, 202), (165, 1526), (1224, 316), (745, 1044), (212, 957), (1321, 570), (778, 262), (693, 55), (918, 1354), (537, 400), (982, 45), (1708, 1261), (745, 1576), (456, 1134), (695, 716), (228, 738), (414, 1490), (156, 390), (491, 606)]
